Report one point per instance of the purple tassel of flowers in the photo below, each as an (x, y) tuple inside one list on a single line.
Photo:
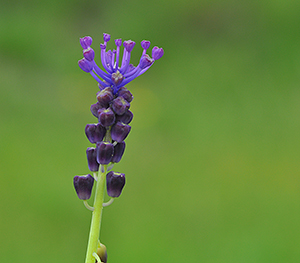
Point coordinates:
[(113, 102), (116, 73)]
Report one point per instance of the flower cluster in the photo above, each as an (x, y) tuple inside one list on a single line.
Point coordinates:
[(111, 109)]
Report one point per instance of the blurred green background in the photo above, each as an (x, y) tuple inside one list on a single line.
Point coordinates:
[(212, 161)]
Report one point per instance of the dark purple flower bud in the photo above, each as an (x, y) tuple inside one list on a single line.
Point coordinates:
[(106, 117), (157, 53), (105, 152), (85, 42), (117, 78), (119, 131), (85, 65), (95, 108), (125, 93), (114, 183), (120, 105), (118, 152), (145, 44), (126, 117), (106, 37), (129, 45), (105, 96), (145, 61), (83, 186), (95, 132), (89, 54), (91, 155)]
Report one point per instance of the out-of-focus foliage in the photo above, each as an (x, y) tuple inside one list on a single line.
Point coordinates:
[(212, 161)]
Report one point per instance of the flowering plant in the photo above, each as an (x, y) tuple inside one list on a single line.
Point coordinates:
[(110, 131)]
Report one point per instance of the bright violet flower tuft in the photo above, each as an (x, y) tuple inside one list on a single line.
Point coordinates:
[(117, 73)]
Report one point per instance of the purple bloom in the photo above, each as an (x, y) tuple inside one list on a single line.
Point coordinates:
[(106, 117), (125, 93), (117, 72), (119, 149), (91, 156), (125, 118), (115, 183), (119, 131), (120, 105), (95, 132), (105, 151), (83, 186), (96, 107), (105, 96)]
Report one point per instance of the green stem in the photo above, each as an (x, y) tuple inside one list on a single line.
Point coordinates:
[(96, 217)]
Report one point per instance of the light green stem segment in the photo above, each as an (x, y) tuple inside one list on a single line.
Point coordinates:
[(96, 216)]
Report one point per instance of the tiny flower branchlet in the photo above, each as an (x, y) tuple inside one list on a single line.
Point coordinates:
[(111, 128)]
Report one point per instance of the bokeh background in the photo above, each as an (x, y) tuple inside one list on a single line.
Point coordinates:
[(212, 161)]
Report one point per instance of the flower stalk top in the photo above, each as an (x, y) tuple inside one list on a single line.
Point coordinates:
[(117, 73)]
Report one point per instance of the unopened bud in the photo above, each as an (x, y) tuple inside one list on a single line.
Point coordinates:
[(125, 93), (157, 53), (92, 159), (115, 183), (126, 117), (105, 152), (106, 117), (145, 61), (89, 54), (83, 186), (85, 42), (117, 78), (119, 149), (120, 105), (120, 131), (95, 132), (105, 96), (95, 108), (85, 65)]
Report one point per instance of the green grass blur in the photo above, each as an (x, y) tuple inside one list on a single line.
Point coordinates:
[(212, 161)]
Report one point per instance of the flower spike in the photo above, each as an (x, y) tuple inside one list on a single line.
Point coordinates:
[(108, 135)]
